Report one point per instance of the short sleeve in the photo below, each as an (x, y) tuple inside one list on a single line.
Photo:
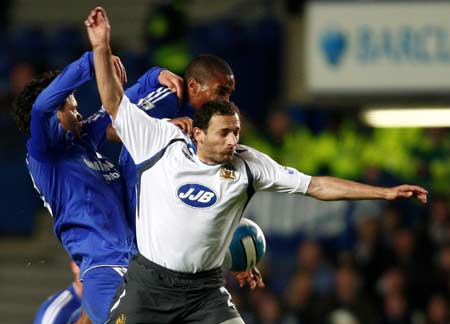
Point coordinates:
[(270, 176), (142, 135)]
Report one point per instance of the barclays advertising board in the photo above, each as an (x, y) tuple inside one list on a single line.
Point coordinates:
[(377, 47)]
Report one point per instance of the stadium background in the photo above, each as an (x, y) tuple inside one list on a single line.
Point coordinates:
[(356, 262)]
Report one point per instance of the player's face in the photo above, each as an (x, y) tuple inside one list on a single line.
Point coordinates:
[(69, 117), (218, 144), (220, 86)]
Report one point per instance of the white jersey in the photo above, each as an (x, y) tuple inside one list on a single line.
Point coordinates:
[(187, 210)]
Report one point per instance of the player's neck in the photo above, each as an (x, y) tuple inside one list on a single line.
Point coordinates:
[(205, 160)]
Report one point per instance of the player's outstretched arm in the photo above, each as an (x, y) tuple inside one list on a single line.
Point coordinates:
[(108, 83), (329, 188)]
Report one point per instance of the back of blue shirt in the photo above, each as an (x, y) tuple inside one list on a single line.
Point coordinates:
[(63, 307), (82, 189), (158, 102)]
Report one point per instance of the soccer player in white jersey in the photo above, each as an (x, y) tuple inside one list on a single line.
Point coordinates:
[(185, 223)]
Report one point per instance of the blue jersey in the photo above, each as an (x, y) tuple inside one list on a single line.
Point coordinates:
[(158, 102), (63, 307), (83, 190)]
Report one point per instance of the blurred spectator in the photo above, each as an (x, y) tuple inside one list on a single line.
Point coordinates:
[(441, 271), (439, 225), (300, 301), (391, 220), (369, 253), (416, 273), (348, 296), (278, 125), (268, 309), (20, 74), (391, 282), (395, 310), (438, 311), (311, 261), (403, 247)]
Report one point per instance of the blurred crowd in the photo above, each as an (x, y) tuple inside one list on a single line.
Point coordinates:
[(393, 272)]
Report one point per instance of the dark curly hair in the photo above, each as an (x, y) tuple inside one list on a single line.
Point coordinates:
[(26, 98), (209, 109)]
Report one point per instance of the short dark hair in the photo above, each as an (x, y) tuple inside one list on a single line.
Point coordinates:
[(26, 98), (209, 109), (206, 66)]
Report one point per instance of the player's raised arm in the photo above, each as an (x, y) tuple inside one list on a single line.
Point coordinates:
[(108, 83)]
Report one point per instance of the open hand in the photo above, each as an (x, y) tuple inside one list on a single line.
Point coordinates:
[(252, 277), (184, 123), (408, 191)]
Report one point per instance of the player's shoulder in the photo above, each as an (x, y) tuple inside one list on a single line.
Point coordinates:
[(252, 157), (246, 152), (100, 114)]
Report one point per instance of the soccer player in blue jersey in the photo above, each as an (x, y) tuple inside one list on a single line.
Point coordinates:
[(64, 307), (82, 190)]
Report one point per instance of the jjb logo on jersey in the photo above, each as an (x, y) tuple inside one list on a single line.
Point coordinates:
[(196, 195)]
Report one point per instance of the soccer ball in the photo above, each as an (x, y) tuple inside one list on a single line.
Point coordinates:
[(247, 247)]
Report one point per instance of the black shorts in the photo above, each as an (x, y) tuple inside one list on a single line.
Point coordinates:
[(151, 293)]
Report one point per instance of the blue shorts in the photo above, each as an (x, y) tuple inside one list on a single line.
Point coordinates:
[(99, 287)]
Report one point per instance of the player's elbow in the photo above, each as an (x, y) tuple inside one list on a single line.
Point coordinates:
[(317, 189)]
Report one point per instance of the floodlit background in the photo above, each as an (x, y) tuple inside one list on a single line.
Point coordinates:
[(314, 81)]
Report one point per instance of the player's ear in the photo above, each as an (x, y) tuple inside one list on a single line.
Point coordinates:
[(193, 86), (60, 115), (198, 134)]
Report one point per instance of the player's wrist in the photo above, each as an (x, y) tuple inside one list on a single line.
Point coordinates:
[(387, 193), (102, 48)]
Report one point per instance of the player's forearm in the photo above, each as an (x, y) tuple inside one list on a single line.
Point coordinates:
[(329, 188), (108, 83), (55, 94)]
